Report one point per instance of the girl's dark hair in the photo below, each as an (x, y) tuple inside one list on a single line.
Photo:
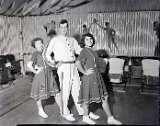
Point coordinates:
[(82, 43), (35, 40)]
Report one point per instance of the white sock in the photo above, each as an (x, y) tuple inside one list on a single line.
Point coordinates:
[(42, 113)]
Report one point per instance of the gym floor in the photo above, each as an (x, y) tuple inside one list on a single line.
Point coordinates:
[(130, 107)]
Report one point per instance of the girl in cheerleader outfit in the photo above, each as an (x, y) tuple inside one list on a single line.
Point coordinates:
[(92, 87), (44, 84)]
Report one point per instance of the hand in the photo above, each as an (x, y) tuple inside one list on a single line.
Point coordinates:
[(52, 63), (58, 63), (89, 71), (39, 69)]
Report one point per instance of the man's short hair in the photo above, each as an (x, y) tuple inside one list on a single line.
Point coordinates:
[(63, 21)]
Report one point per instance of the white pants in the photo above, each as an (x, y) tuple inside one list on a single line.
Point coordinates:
[(69, 83)]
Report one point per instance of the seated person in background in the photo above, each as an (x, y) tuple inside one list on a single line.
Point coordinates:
[(6, 72), (8, 64)]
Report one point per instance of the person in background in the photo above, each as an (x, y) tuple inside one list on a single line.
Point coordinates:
[(156, 28), (85, 29), (110, 33), (92, 87), (43, 85), (50, 29)]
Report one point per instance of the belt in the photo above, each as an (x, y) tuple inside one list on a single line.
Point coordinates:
[(66, 62)]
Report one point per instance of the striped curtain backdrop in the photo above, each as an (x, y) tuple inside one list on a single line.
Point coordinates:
[(10, 41), (134, 31)]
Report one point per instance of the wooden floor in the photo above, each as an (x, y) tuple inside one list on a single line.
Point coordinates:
[(130, 107)]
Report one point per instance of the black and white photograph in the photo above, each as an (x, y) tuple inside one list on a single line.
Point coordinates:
[(79, 62)]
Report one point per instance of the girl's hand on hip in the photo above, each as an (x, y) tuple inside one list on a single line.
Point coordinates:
[(39, 70), (58, 64), (89, 71)]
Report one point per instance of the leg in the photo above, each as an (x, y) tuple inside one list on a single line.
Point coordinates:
[(64, 94), (115, 44), (109, 46), (65, 86), (40, 109), (85, 108), (106, 108), (75, 91), (86, 118), (58, 101)]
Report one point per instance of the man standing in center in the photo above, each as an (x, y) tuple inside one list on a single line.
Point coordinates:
[(64, 49)]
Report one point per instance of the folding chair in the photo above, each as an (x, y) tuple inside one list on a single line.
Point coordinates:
[(117, 71), (150, 73)]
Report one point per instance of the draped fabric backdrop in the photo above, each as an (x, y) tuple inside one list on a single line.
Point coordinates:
[(134, 31), (10, 41)]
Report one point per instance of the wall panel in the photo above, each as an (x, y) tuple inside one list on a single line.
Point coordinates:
[(10, 41)]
